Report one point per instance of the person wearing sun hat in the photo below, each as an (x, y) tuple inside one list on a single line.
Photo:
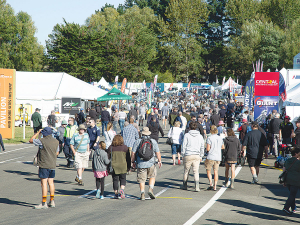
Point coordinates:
[(81, 150), (221, 129), (146, 169), (46, 161)]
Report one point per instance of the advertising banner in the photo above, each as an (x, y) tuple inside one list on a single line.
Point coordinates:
[(123, 85), (266, 83), (116, 80), (70, 105), (7, 102), (263, 106), (155, 80), (282, 90)]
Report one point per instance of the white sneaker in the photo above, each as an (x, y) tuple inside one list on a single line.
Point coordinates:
[(41, 206), (51, 204)]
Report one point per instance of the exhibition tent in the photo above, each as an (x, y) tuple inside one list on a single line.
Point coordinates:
[(104, 83), (52, 86), (114, 94), (293, 97), (225, 86)]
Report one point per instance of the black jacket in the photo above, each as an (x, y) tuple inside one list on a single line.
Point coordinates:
[(105, 116), (93, 114), (215, 119), (81, 119), (199, 128), (274, 126), (155, 128)]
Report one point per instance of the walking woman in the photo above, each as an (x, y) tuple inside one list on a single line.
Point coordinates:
[(109, 134), (232, 148), (121, 163), (100, 162), (155, 128), (177, 135), (214, 148), (292, 181)]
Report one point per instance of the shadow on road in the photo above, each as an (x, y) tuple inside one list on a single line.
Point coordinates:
[(222, 222), (259, 211), (20, 172), (13, 202)]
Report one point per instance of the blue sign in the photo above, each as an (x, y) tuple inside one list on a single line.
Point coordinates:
[(263, 106), (249, 94)]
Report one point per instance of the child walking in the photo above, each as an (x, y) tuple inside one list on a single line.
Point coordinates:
[(100, 162)]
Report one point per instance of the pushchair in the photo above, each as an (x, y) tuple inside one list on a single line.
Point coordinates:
[(284, 154)]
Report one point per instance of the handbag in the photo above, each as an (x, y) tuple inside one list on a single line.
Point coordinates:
[(170, 139), (34, 162), (110, 169), (282, 177)]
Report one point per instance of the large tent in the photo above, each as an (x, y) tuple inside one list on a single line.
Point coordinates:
[(44, 90), (104, 84), (114, 94), (225, 86)]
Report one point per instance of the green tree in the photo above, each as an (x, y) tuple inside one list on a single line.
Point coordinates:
[(180, 37)]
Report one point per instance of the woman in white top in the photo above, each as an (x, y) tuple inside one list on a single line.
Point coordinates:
[(177, 135), (109, 134)]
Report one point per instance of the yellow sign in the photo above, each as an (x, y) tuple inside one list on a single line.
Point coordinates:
[(7, 102)]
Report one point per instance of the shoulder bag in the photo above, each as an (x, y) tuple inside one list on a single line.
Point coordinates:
[(79, 143), (170, 139), (282, 177)]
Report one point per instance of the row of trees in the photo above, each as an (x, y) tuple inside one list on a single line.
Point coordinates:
[(180, 40)]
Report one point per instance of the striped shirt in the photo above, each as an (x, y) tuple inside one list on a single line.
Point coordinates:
[(76, 140)]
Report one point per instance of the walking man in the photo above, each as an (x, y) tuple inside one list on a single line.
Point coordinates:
[(254, 145), (81, 150), (165, 114), (130, 134), (81, 119), (37, 120), (94, 135), (146, 168), (70, 130), (52, 119), (274, 129), (46, 161), (105, 118)]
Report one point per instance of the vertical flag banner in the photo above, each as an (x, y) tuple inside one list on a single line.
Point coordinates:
[(282, 90), (223, 82), (7, 102), (189, 85), (116, 80), (249, 94), (171, 86), (123, 85), (217, 81), (155, 80)]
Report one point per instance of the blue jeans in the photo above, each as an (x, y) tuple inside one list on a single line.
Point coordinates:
[(121, 123), (176, 148), (104, 123), (115, 123)]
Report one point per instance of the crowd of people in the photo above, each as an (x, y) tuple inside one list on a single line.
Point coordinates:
[(199, 129)]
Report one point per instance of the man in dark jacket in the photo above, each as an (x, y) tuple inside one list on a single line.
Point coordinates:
[(37, 120), (81, 118), (296, 135), (172, 116), (255, 143), (105, 118), (215, 118), (133, 112), (199, 126), (93, 114), (52, 119), (274, 128), (222, 113)]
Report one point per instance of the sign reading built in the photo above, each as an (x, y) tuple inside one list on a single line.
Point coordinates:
[(7, 103), (70, 105)]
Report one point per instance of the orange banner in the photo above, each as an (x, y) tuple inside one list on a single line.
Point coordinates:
[(123, 85), (7, 102)]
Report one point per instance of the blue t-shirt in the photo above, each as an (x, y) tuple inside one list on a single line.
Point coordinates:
[(141, 163), (93, 133), (76, 140)]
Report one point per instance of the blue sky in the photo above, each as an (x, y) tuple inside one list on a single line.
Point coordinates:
[(46, 14)]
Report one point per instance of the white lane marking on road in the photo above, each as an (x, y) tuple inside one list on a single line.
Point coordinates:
[(90, 192), (162, 191), (210, 203), (11, 159), (14, 150)]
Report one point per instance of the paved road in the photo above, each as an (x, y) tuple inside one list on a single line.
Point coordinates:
[(246, 204)]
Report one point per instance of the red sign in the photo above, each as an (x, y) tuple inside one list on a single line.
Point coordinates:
[(123, 85), (266, 84)]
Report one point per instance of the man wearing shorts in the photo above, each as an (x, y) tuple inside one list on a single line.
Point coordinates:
[(46, 161), (142, 113), (80, 145), (146, 169), (254, 144), (165, 114)]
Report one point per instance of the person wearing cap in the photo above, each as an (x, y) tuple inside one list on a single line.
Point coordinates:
[(61, 131), (81, 150), (70, 130), (37, 120), (296, 135), (243, 129), (81, 118), (46, 161), (254, 145), (52, 119), (286, 131), (146, 169)]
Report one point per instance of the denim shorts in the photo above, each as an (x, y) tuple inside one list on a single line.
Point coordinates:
[(46, 173), (176, 148)]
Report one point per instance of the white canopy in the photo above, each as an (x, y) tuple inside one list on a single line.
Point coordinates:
[(293, 97), (225, 86), (53, 85), (104, 83)]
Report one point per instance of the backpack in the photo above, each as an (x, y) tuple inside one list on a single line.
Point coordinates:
[(145, 150), (249, 128)]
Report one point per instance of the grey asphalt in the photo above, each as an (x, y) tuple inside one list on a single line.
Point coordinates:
[(247, 204)]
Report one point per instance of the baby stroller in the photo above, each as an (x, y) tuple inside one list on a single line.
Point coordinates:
[(284, 154)]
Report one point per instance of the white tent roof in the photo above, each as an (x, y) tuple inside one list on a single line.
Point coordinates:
[(293, 97), (52, 85), (104, 83), (225, 86)]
